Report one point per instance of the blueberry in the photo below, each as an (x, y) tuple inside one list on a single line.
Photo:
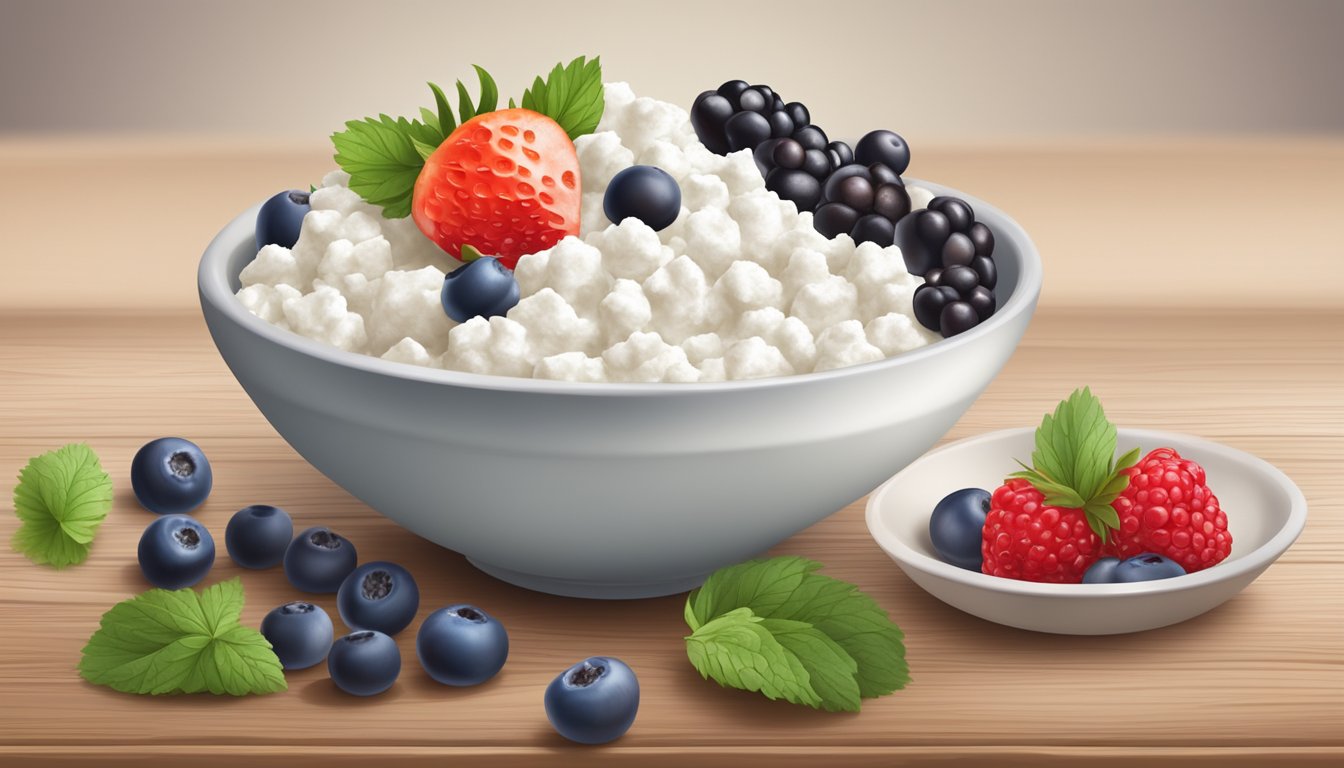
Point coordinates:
[(175, 551), (799, 187), (745, 130), (957, 525), (170, 476), (1102, 571), (257, 536), (378, 595), (594, 701), (480, 288), (834, 219), (644, 192), (300, 634), (883, 147), (319, 559), (1148, 566), (873, 228), (461, 645), (364, 663), (281, 218)]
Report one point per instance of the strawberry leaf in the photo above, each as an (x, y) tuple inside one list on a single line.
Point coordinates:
[(571, 95), (445, 121)]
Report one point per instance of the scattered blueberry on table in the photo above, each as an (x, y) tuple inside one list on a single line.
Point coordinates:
[(364, 663), (175, 551), (299, 632), (258, 535), (319, 559), (461, 645), (594, 701), (378, 595), (171, 476)]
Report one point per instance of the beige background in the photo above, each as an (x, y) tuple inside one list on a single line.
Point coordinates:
[(1160, 153), (930, 70)]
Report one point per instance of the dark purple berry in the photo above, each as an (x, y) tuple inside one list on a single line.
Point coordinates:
[(768, 93), (781, 124), (834, 158), (745, 130), (958, 249), (982, 301), (753, 100), (874, 228), (843, 150), (960, 278), (839, 175), (854, 191), (982, 238), (798, 113), (833, 219), (799, 187), (959, 214), (934, 276), (891, 201), (984, 267), (928, 304), (811, 136), (787, 153), (731, 89), (883, 147), (708, 114), (933, 227), (883, 175), (957, 317), (777, 104), (816, 163), (763, 154)]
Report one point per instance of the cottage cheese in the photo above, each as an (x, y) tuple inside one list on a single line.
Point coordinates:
[(740, 286)]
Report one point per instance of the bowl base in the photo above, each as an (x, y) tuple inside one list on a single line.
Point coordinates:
[(593, 590)]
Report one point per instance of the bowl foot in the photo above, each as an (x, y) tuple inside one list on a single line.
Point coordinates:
[(594, 590)]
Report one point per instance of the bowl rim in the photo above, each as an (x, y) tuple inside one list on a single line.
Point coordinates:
[(909, 558), (213, 287)]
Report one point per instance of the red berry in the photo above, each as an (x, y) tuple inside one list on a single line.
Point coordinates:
[(1025, 539), (505, 182), (1168, 509)]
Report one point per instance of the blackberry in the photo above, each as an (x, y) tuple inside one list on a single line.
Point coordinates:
[(780, 134), (870, 198), (954, 253)]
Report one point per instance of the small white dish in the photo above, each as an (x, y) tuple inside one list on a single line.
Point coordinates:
[(1265, 510)]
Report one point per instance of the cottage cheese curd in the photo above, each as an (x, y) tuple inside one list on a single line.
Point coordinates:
[(740, 286)]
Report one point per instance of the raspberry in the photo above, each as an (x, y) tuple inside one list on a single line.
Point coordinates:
[(1026, 539), (1168, 509)]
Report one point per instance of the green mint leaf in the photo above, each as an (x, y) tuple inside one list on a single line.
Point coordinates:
[(381, 157), (571, 95), (163, 641), (830, 670), (787, 588), (61, 499), (737, 651), (762, 585), (858, 625)]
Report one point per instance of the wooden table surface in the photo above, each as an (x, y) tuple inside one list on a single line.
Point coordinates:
[(1258, 680)]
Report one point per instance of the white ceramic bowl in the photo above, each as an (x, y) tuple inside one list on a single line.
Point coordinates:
[(1265, 513), (601, 489)]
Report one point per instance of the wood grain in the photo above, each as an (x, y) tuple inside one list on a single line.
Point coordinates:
[(1259, 680)]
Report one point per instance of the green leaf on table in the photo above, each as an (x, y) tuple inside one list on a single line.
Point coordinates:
[(61, 499)]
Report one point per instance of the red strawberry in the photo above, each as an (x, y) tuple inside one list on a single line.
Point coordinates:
[(1168, 509), (505, 182), (1025, 538), (1049, 522)]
